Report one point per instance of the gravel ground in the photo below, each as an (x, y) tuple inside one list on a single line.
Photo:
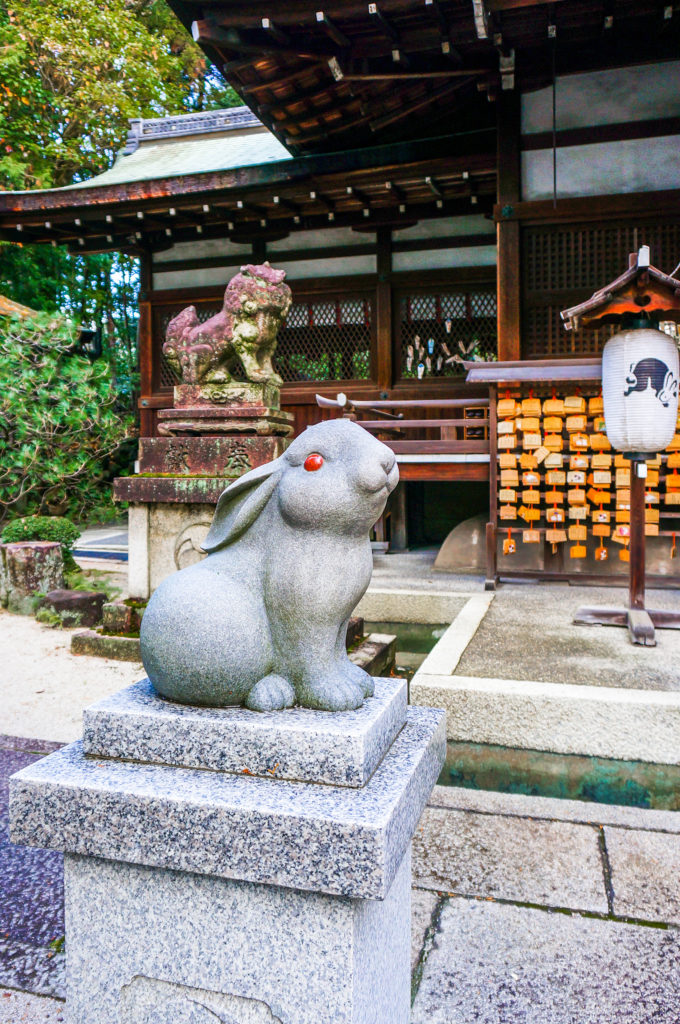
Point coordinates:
[(43, 687)]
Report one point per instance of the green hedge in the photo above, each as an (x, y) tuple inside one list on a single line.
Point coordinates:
[(44, 528)]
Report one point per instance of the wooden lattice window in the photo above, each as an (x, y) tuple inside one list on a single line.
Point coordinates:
[(435, 325), (328, 337), (563, 265)]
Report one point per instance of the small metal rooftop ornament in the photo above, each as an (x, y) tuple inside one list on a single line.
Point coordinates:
[(640, 395)]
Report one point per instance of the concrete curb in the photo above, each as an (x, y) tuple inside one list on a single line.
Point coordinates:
[(598, 721), (447, 652)]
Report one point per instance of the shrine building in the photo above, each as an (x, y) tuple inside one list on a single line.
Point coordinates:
[(438, 179)]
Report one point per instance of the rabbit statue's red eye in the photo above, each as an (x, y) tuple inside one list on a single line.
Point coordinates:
[(313, 462)]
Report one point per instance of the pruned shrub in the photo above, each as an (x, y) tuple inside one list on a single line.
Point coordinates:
[(59, 427), (44, 528)]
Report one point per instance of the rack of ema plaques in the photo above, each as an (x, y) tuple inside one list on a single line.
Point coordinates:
[(559, 494)]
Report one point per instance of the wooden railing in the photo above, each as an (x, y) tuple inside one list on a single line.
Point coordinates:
[(417, 426)]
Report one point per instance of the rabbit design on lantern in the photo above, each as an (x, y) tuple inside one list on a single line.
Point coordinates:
[(655, 375), (261, 621)]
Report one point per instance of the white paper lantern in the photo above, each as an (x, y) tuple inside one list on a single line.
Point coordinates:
[(640, 390)]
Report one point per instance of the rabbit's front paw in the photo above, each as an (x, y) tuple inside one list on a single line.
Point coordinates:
[(363, 679), (332, 692), (272, 693)]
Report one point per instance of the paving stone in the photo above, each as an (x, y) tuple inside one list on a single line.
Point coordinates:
[(498, 964), (31, 884), (528, 633), (22, 1008), (557, 809), (32, 968), (645, 872), (423, 905), (546, 862)]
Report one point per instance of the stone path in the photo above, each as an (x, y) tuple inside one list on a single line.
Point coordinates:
[(104, 542), (525, 910), (545, 912), (528, 633)]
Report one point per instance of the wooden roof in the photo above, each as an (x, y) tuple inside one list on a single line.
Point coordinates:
[(640, 289), (385, 108), (326, 74), (368, 188), (534, 371)]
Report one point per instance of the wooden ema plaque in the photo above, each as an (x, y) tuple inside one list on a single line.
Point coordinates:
[(559, 483)]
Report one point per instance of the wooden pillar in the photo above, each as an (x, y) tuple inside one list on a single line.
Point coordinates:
[(383, 310), (145, 336), (398, 519), (259, 250), (509, 185), (637, 535)]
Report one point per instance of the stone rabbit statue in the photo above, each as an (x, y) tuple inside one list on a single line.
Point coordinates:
[(261, 621)]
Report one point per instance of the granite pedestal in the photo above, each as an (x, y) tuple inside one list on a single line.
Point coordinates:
[(226, 866)]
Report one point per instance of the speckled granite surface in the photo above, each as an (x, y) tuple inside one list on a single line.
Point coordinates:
[(340, 749), (328, 839), (31, 892), (162, 947)]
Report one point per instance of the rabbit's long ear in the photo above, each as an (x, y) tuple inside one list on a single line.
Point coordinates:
[(241, 503)]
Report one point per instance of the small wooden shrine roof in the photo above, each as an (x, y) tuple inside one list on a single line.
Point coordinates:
[(640, 289), (222, 174), (326, 74), (188, 144)]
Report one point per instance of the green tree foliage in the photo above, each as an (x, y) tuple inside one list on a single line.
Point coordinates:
[(60, 427), (71, 75), (96, 291)]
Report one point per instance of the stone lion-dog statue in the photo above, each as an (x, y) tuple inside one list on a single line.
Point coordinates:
[(256, 303)]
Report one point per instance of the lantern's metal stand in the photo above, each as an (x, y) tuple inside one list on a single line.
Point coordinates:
[(640, 620)]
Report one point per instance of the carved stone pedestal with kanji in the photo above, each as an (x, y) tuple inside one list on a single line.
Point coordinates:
[(213, 434)]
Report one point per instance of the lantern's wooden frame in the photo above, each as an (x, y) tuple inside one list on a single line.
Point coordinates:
[(640, 620), (640, 289)]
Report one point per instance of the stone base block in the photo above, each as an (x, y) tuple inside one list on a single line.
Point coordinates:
[(222, 457), (165, 537), (76, 607), (342, 749), (122, 617), (260, 421), (320, 838), (199, 897), (164, 947), (101, 645), (376, 654)]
